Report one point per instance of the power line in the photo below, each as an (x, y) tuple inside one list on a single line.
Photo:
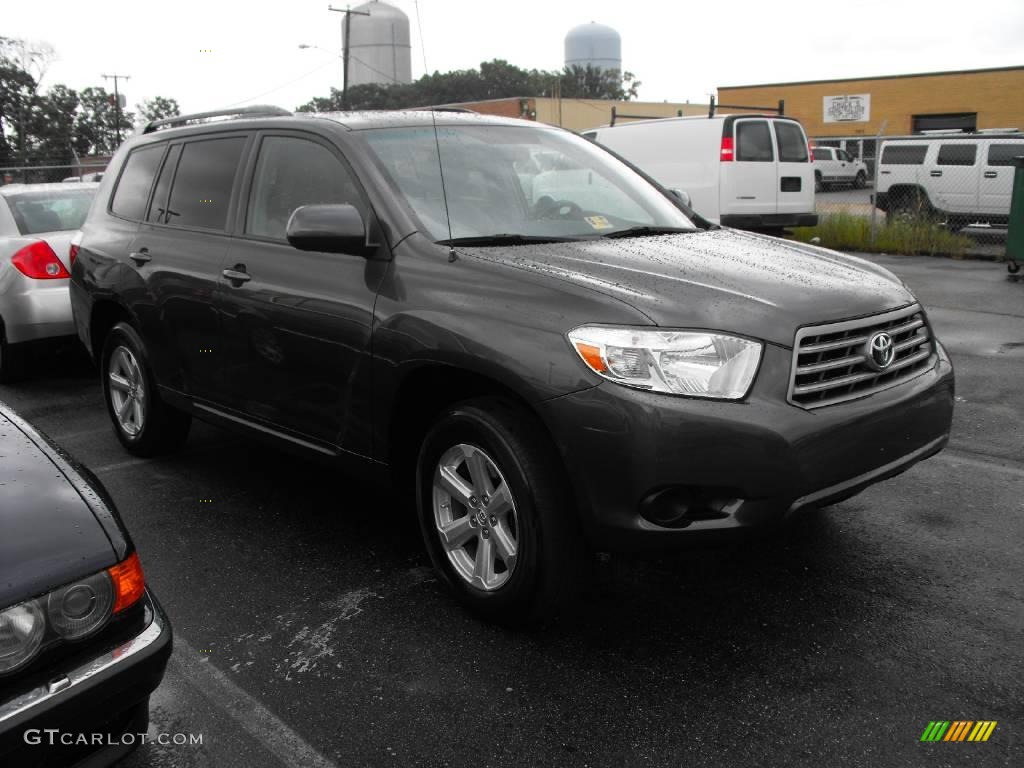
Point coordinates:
[(283, 85), (423, 47)]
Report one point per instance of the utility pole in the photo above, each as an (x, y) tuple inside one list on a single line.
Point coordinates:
[(117, 104), (346, 22)]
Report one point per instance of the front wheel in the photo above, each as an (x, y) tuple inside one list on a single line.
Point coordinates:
[(496, 514), (143, 423)]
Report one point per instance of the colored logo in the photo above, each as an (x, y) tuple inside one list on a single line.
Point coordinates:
[(958, 730)]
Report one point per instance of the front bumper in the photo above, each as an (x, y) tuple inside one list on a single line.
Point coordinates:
[(769, 220), (33, 309), (748, 463), (107, 695)]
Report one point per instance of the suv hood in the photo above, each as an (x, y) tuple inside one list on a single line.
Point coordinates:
[(722, 279), (49, 533)]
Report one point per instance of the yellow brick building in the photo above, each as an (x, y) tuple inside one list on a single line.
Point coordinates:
[(895, 105)]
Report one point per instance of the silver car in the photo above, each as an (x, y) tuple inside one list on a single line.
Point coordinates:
[(37, 222)]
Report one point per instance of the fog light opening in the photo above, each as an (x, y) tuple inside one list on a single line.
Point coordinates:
[(679, 506)]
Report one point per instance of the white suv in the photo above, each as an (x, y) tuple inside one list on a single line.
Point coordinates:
[(961, 178), (837, 166)]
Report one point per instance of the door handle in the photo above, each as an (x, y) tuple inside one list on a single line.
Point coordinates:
[(140, 256), (237, 275), (991, 174), (936, 173), (885, 173)]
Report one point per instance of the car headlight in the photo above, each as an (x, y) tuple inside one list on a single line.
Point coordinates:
[(81, 608), (21, 633), (693, 363)]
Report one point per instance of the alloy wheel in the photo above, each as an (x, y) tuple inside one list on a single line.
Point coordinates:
[(127, 391), (475, 517)]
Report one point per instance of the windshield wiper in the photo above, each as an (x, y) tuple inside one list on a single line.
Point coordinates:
[(505, 239), (647, 230)]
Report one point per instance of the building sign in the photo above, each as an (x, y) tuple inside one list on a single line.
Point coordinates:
[(855, 108)]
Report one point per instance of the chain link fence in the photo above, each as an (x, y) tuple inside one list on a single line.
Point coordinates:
[(43, 174), (937, 192)]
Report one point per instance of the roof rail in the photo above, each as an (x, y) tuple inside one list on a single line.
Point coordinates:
[(258, 110)]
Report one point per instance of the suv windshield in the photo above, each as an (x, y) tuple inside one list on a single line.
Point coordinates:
[(518, 184)]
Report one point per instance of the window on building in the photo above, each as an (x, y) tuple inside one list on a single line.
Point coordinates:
[(904, 154), (136, 180), (202, 186), (957, 154), (954, 121)]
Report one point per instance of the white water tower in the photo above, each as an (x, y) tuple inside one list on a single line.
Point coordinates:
[(379, 45), (593, 45)]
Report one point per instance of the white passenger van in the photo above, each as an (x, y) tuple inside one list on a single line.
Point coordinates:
[(746, 171), (963, 178)]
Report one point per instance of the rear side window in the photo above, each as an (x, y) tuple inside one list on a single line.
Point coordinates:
[(136, 180), (158, 209), (202, 187), (290, 173), (902, 154), (957, 154), (754, 142), (791, 141), (1003, 154)]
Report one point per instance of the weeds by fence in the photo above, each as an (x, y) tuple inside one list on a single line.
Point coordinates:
[(852, 232)]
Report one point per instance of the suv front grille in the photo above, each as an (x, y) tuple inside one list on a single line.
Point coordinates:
[(832, 363)]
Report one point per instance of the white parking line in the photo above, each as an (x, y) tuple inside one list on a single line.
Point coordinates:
[(258, 721)]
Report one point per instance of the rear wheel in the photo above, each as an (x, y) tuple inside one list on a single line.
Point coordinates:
[(819, 185), (496, 515), (143, 423), (861, 181)]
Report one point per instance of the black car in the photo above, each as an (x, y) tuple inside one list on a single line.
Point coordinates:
[(82, 641), (550, 350)]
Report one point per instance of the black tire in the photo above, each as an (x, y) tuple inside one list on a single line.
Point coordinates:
[(163, 429), (819, 185), (551, 557), (861, 181), (13, 362)]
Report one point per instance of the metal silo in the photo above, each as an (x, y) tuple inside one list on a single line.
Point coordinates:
[(595, 45), (379, 47)]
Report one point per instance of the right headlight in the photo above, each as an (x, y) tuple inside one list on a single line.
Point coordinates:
[(693, 363), (21, 633)]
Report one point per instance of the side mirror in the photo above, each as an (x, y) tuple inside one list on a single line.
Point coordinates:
[(685, 198), (334, 228)]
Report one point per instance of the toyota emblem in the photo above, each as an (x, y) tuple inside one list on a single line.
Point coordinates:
[(881, 351)]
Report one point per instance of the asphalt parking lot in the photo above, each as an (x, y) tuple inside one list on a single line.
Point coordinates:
[(310, 631)]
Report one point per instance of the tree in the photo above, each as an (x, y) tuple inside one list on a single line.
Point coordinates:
[(157, 108), (96, 122), (495, 79)]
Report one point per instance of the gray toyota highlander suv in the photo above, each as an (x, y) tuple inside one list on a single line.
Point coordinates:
[(549, 350)]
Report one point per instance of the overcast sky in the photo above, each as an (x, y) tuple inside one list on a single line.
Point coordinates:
[(679, 50)]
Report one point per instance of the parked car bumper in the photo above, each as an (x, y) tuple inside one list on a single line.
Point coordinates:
[(769, 220), (33, 309), (105, 699), (633, 456)]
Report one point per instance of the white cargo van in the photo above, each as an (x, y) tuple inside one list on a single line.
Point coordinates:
[(746, 171), (961, 178)]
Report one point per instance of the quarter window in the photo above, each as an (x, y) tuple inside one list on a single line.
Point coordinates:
[(290, 173), (202, 187), (1003, 154), (957, 154), (158, 208), (902, 154), (754, 142), (822, 155), (136, 180), (791, 141)]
